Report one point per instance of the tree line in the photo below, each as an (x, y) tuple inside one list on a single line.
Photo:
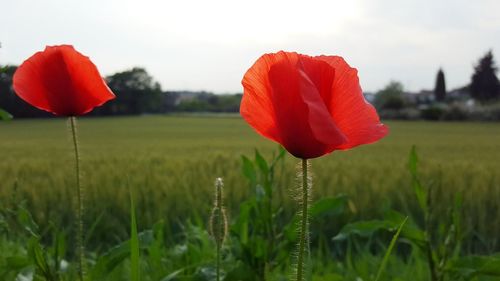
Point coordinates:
[(477, 100), (138, 93)]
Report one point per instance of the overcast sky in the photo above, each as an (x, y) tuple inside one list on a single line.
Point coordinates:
[(209, 44)]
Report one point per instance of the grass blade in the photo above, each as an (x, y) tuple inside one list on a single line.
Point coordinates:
[(389, 250), (4, 115), (134, 243)]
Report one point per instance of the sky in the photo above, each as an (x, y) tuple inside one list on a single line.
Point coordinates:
[(209, 44)]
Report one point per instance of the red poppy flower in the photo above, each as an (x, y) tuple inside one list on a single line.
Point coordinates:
[(62, 81), (310, 105)]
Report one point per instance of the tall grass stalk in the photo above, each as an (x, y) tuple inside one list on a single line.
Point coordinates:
[(80, 207), (389, 250)]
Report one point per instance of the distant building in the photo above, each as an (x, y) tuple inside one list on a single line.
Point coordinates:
[(424, 97), (459, 94), (177, 97)]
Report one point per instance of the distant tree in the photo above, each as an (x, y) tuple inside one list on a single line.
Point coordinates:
[(440, 88), (136, 92), (484, 83), (4, 115), (170, 100), (391, 97), (12, 103), (230, 103), (209, 102)]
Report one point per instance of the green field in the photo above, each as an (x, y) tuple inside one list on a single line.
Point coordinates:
[(170, 162), (173, 161)]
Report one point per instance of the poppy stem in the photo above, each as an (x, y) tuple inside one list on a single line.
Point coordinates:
[(304, 224), (79, 210), (218, 264)]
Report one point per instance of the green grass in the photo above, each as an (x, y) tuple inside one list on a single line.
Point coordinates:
[(171, 163)]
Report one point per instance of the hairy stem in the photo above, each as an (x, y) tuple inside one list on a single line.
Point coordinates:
[(303, 234), (218, 264), (79, 210), (220, 229)]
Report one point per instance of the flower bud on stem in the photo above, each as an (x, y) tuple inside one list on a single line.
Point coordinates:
[(218, 222)]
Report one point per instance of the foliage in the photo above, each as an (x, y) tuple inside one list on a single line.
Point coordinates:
[(487, 112), (391, 97), (28, 254), (434, 112), (259, 227), (456, 112), (172, 201), (168, 181), (9, 101), (460, 112), (134, 244), (440, 88), (440, 242), (484, 82), (207, 102), (136, 92), (447, 112)]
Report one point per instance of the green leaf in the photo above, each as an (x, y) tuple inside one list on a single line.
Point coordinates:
[(281, 154), (472, 266), (260, 247), (173, 275), (17, 263), (389, 250), (116, 255), (58, 247), (4, 115), (36, 253), (242, 224), (411, 230), (25, 219), (261, 163), (134, 243), (419, 190), (329, 206), (364, 228), (249, 170), (93, 227), (329, 277), (241, 272)]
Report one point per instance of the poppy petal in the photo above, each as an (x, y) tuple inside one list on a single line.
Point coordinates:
[(311, 105), (256, 105), (62, 81), (319, 77), (355, 117), (293, 112)]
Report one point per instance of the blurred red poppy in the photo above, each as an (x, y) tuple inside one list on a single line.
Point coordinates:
[(62, 81), (310, 105)]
